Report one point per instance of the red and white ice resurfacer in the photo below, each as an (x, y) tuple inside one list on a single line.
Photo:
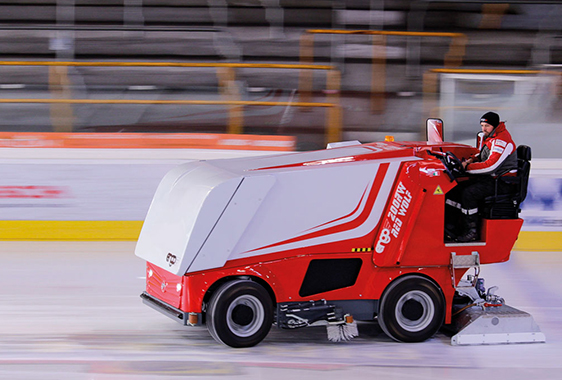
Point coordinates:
[(355, 232)]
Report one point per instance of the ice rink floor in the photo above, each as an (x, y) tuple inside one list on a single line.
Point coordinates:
[(72, 311)]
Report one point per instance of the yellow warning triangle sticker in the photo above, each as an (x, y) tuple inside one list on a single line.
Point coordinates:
[(438, 191)]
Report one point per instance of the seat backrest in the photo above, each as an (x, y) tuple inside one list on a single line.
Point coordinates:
[(502, 206), (524, 152), (523, 169)]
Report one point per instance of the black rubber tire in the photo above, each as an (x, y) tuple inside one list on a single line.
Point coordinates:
[(240, 314), (412, 309)]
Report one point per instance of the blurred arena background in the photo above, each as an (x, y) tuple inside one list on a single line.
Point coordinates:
[(314, 71), (100, 98)]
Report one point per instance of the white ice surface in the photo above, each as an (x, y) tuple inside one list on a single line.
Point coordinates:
[(78, 315)]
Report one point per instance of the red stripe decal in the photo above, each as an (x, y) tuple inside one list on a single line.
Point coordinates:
[(377, 182), (345, 216)]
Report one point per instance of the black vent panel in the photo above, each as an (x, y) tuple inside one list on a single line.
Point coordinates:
[(330, 274)]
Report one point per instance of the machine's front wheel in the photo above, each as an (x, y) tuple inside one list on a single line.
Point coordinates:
[(240, 314), (411, 310)]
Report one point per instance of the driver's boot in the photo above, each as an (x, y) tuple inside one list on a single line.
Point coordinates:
[(471, 232)]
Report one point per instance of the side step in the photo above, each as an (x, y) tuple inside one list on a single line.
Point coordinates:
[(495, 325)]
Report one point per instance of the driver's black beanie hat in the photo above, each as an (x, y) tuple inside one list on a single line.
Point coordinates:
[(491, 118)]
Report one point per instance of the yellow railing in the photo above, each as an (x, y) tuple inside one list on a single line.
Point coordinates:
[(167, 64), (453, 58), (62, 112)]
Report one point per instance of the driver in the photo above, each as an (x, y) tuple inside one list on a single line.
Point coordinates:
[(497, 157)]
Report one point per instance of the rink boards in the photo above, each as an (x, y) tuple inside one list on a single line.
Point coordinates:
[(104, 194)]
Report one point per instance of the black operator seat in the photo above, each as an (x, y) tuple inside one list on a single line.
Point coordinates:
[(508, 206)]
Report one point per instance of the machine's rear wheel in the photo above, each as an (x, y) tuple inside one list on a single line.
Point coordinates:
[(240, 314), (412, 309)]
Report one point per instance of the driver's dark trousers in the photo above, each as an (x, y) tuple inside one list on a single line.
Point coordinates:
[(469, 194)]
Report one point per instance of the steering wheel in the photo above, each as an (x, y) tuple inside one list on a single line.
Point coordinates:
[(453, 163), (453, 166)]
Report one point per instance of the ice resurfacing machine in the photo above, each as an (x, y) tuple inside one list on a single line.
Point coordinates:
[(355, 232)]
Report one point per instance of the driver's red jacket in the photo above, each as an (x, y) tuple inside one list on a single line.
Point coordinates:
[(497, 156)]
